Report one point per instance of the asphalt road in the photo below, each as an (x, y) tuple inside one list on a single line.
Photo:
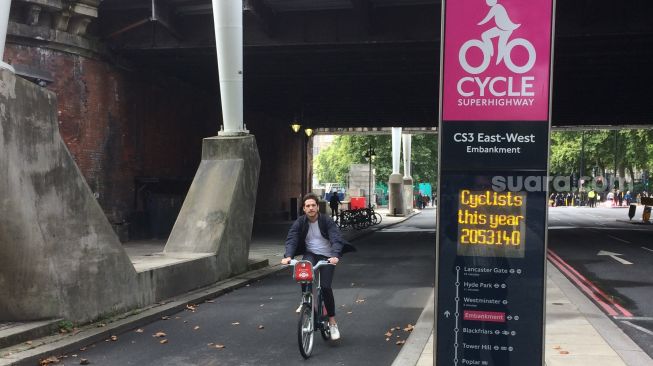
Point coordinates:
[(617, 256), (384, 285)]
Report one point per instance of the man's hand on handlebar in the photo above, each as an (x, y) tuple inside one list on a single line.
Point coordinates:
[(334, 260), (286, 260)]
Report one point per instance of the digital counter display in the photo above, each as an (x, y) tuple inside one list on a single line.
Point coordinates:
[(491, 224)]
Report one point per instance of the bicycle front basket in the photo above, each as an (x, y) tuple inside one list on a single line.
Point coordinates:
[(303, 272)]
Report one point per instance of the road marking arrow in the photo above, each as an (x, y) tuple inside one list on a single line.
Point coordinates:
[(614, 256)]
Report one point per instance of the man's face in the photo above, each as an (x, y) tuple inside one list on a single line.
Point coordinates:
[(310, 209)]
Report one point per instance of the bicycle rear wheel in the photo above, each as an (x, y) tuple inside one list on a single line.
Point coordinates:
[(305, 331)]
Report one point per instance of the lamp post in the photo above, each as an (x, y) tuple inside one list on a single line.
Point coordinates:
[(370, 155)]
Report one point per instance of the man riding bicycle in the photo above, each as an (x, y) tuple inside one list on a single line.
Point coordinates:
[(318, 238)]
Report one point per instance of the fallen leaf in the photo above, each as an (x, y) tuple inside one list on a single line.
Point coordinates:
[(163, 341), (397, 328), (49, 360), (165, 317), (388, 334), (84, 361), (219, 346), (409, 328), (29, 343), (114, 338), (139, 330), (360, 301), (557, 347), (210, 301), (399, 343), (235, 323), (159, 334), (191, 307), (196, 327), (564, 352), (209, 344), (349, 312), (83, 349), (261, 327), (387, 339)]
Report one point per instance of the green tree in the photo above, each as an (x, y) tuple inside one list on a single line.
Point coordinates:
[(332, 164)]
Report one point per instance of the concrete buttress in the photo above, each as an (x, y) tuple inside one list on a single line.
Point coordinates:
[(59, 254)]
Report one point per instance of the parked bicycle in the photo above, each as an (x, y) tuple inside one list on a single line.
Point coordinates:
[(313, 315), (358, 218)]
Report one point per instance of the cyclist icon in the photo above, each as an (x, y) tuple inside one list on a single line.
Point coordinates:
[(503, 29)]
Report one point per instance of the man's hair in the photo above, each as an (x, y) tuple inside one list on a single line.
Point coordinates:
[(310, 196)]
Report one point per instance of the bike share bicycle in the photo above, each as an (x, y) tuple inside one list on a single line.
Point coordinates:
[(313, 315)]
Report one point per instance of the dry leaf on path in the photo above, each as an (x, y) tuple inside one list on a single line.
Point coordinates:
[(163, 341), (399, 343), (84, 361), (219, 346), (409, 328), (196, 327), (261, 327), (159, 335), (139, 330), (235, 323), (114, 338), (388, 334), (360, 301)]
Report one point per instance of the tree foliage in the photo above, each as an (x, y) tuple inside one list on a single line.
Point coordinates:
[(332, 164), (629, 150)]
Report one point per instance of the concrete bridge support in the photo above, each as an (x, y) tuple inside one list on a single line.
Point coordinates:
[(60, 256), (396, 205)]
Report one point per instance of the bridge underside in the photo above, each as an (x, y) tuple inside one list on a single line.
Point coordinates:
[(349, 63)]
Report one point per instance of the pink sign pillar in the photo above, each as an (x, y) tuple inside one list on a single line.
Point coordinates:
[(495, 110)]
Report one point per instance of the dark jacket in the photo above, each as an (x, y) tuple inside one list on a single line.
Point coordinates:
[(296, 240)]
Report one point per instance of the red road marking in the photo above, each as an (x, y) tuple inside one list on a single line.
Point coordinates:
[(587, 286)]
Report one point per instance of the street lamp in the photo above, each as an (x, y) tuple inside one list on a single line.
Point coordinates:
[(370, 155)]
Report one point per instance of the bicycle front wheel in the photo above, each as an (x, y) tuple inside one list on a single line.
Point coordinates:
[(305, 331)]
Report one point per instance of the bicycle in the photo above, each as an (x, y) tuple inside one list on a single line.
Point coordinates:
[(312, 316), (487, 48)]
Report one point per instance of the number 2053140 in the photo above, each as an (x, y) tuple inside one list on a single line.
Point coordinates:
[(490, 237)]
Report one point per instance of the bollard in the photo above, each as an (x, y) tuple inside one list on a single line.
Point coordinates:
[(646, 215), (631, 211)]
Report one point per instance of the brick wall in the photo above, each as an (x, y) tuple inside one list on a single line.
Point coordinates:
[(120, 124)]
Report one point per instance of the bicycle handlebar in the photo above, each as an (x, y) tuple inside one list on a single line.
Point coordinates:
[(315, 267)]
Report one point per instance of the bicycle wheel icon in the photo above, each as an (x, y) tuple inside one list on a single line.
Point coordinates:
[(486, 49)]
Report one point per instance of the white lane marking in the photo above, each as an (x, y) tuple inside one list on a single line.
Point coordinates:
[(621, 240), (634, 318), (638, 327), (645, 248), (614, 256)]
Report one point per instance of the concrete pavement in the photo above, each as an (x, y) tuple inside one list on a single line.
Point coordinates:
[(577, 332)]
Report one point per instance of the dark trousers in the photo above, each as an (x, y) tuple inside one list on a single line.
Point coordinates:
[(326, 277)]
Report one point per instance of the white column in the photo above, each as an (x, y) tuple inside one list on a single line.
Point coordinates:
[(5, 6), (228, 23), (396, 149), (406, 144), (408, 179)]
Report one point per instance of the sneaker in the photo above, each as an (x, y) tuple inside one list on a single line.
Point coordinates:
[(335, 333)]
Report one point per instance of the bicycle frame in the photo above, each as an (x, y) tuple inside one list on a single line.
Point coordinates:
[(317, 318)]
